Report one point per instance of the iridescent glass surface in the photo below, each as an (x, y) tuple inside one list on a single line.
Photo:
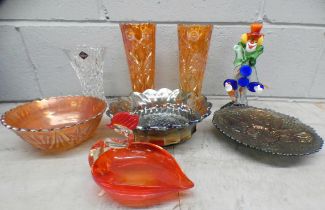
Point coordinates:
[(57, 123), (193, 42), (267, 130), (139, 43), (166, 116)]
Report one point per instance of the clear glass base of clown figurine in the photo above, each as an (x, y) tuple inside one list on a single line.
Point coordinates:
[(241, 98)]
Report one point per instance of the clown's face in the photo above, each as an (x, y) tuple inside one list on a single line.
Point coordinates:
[(251, 46)]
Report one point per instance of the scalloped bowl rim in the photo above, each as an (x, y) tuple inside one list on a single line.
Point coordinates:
[(3, 117), (149, 92), (164, 128)]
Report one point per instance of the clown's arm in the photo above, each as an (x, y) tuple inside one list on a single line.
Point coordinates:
[(240, 56), (253, 56)]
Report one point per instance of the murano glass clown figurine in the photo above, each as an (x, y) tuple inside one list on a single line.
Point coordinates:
[(247, 51), (262, 129)]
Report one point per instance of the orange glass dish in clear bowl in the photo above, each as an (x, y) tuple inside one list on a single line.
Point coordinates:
[(57, 123)]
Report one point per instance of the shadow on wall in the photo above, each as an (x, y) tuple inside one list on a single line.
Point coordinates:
[(1, 1)]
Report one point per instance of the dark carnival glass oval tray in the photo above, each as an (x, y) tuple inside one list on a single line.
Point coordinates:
[(267, 130)]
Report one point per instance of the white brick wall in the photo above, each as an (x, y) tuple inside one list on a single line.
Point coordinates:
[(35, 33), (49, 10)]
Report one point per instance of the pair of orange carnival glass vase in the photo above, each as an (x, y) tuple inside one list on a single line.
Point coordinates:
[(139, 41)]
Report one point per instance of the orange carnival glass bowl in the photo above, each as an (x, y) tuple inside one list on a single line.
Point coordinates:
[(57, 123)]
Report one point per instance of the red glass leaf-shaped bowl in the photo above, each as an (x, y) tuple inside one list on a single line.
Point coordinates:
[(141, 174)]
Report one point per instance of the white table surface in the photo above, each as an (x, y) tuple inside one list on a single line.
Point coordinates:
[(226, 175)]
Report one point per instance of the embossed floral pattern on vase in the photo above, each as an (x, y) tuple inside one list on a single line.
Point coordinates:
[(139, 43), (193, 42)]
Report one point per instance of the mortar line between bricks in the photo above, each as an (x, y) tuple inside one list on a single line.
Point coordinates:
[(244, 23), (58, 22), (31, 62)]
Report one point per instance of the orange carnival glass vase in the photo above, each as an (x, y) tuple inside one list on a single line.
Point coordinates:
[(193, 43), (139, 43)]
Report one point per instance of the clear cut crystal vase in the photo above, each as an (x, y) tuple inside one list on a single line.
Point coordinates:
[(88, 63)]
